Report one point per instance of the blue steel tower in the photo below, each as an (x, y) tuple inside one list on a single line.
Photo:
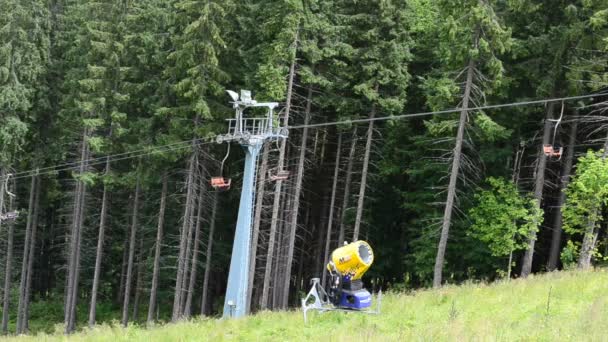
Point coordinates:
[(250, 133)]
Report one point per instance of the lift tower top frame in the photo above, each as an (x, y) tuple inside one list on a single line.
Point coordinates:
[(250, 133)]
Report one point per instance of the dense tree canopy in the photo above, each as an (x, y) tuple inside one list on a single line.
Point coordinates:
[(109, 112)]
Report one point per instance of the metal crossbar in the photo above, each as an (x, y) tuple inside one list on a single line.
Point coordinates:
[(253, 126)]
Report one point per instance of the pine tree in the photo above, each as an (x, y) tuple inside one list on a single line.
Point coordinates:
[(471, 37)]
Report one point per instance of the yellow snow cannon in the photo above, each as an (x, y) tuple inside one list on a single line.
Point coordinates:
[(345, 290), (351, 260)]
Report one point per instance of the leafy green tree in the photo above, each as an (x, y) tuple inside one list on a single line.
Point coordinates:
[(586, 195), (503, 219)]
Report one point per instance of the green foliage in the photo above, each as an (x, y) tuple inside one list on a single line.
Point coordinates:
[(502, 218), (24, 57), (489, 130), (586, 193), (136, 75), (570, 254)]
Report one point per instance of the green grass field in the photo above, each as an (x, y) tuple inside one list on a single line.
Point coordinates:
[(564, 306)]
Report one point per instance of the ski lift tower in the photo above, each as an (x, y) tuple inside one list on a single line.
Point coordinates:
[(250, 133)]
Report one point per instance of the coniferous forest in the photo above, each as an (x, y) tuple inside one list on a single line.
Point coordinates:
[(464, 140)]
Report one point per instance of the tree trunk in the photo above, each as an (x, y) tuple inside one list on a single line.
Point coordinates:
[(8, 269), (123, 269), (293, 225), (157, 248), (100, 240), (279, 266), (349, 176), (208, 256), (449, 206), (194, 264), (30, 262), (591, 234), (330, 218), (323, 144), (539, 185), (259, 203), (277, 190), (139, 279), (75, 240), (26, 253), (300, 274), (584, 259), (556, 239), (186, 224), (368, 147), (188, 254), (129, 277)]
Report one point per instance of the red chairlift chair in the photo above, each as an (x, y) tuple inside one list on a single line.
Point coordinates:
[(221, 183), (279, 175), (555, 150)]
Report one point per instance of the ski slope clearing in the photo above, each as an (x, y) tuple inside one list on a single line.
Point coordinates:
[(559, 306)]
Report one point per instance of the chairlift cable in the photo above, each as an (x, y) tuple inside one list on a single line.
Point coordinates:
[(184, 144), (450, 111)]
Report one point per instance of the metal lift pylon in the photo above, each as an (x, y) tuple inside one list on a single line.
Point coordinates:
[(250, 133)]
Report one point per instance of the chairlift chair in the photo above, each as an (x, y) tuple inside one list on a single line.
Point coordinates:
[(10, 216), (553, 151), (221, 183), (278, 175)]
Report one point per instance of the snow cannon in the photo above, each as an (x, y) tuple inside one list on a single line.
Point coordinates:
[(345, 290), (351, 260)]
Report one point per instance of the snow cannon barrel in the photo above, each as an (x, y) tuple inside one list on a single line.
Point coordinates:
[(352, 260)]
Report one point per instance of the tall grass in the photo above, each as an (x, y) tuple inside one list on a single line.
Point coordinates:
[(564, 306)]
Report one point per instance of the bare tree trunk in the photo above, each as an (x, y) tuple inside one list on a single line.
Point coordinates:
[(186, 224), (590, 237), (322, 157), (208, 256), (368, 147), (30, 261), (123, 269), (293, 224), (8, 268), (449, 206), (194, 264), (556, 239), (319, 219), (75, 240), (188, 254), (298, 283), (584, 259), (277, 189), (159, 241), (139, 279), (539, 185), (330, 218), (349, 176), (279, 267), (26, 253), (259, 203), (129, 278), (100, 240)]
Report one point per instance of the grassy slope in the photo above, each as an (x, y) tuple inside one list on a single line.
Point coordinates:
[(515, 310)]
